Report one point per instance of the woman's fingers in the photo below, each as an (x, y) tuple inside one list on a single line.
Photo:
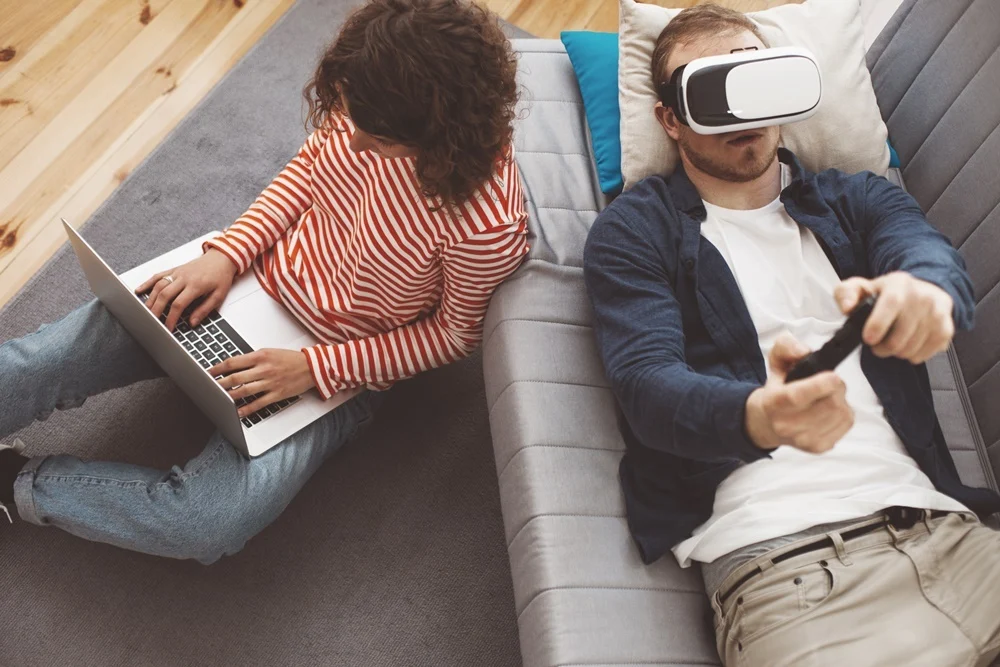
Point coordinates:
[(248, 390), (146, 286), (164, 296), (211, 302), (179, 305), (249, 376), (233, 364), (154, 291), (262, 402)]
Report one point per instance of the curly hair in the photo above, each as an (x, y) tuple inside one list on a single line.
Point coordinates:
[(437, 75)]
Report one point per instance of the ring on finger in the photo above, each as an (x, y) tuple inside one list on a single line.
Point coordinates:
[(248, 388), (169, 279)]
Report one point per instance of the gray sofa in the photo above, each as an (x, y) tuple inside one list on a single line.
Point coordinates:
[(582, 595)]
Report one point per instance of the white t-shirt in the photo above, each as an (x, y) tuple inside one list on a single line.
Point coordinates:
[(787, 283)]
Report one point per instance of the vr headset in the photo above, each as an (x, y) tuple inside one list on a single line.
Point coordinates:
[(744, 90)]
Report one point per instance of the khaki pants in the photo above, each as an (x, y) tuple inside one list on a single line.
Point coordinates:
[(927, 595)]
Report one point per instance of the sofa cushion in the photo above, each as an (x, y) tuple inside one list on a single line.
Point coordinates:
[(936, 71), (554, 155), (582, 595)]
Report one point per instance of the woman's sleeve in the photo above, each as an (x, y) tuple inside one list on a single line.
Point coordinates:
[(278, 207), (473, 269)]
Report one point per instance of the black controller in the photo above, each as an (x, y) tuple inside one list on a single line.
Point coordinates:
[(837, 348)]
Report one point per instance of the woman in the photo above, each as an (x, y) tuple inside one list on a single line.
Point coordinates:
[(385, 235)]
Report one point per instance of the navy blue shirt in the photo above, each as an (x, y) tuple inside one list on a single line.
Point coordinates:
[(682, 353)]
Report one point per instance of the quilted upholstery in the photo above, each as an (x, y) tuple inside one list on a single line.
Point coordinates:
[(936, 71), (582, 594)]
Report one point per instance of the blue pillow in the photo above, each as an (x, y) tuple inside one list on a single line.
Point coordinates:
[(893, 157), (594, 56)]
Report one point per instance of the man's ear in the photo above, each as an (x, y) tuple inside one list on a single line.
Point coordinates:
[(667, 119)]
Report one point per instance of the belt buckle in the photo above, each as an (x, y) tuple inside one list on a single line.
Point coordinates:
[(903, 518)]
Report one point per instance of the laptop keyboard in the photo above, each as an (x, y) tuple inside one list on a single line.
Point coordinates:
[(214, 341)]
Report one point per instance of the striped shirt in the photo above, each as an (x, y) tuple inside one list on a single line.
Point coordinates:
[(347, 242)]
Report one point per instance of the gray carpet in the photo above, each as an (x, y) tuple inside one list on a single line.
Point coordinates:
[(392, 555)]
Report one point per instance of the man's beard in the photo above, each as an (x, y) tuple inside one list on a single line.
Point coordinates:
[(752, 163)]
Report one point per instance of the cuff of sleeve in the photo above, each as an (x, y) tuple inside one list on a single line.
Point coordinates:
[(962, 313), (317, 368), (222, 245), (730, 421), (327, 384)]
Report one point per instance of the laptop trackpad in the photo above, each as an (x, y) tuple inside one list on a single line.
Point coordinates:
[(265, 323)]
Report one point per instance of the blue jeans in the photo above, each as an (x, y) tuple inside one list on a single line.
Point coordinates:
[(205, 510)]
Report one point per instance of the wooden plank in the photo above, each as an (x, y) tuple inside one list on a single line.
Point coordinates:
[(131, 145), (69, 25), (501, 8), (605, 19), (738, 5), (548, 19), (60, 65), (158, 78), (86, 125), (24, 22)]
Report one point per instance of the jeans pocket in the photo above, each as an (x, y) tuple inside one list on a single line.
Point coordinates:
[(782, 597)]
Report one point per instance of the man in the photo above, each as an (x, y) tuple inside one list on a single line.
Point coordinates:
[(827, 512), (385, 236)]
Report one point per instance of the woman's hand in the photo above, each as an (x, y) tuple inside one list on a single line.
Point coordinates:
[(274, 374), (912, 318), (210, 276)]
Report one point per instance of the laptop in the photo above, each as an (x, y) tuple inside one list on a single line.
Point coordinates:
[(249, 319)]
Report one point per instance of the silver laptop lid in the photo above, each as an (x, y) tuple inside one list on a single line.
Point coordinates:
[(154, 337)]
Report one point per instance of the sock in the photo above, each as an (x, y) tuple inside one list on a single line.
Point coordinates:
[(11, 463)]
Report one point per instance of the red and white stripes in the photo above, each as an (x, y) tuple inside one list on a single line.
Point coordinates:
[(347, 242)]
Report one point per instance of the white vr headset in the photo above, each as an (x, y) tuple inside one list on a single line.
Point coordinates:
[(744, 90)]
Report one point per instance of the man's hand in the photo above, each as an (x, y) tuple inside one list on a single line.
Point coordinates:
[(810, 414), (274, 374), (912, 319), (210, 276)]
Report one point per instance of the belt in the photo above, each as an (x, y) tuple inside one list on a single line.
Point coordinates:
[(900, 518)]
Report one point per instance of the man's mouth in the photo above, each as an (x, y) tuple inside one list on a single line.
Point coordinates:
[(744, 139)]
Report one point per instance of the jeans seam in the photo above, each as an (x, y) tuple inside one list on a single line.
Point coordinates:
[(103, 481), (89, 481)]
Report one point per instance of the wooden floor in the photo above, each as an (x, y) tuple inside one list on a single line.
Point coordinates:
[(89, 87), (547, 18)]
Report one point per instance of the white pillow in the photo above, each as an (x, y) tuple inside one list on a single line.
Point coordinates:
[(847, 131)]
